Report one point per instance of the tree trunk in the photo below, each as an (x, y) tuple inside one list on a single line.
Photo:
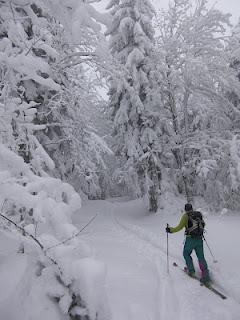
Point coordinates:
[(154, 176)]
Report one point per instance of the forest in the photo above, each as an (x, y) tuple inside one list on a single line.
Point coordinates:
[(130, 102)]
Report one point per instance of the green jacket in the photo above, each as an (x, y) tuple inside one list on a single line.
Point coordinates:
[(183, 223)]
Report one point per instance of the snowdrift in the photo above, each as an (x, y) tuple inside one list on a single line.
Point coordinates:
[(58, 278)]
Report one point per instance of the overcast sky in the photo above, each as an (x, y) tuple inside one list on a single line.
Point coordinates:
[(231, 6), (227, 6)]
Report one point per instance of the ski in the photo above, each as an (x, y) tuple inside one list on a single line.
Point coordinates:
[(210, 287)]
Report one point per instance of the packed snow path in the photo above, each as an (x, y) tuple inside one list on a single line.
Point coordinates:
[(132, 244)]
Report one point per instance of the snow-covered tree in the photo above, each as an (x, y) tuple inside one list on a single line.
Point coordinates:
[(73, 140), (26, 54), (234, 52), (36, 212), (131, 42), (43, 47), (193, 76), (40, 103)]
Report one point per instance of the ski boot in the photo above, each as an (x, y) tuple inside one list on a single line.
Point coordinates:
[(189, 273)]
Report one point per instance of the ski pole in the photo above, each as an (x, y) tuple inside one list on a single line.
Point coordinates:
[(167, 252), (214, 260)]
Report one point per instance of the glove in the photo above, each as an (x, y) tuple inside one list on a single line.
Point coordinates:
[(168, 230)]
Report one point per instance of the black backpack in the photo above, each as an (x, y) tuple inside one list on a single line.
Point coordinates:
[(196, 224)]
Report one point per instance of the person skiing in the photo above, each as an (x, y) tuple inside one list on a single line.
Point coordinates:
[(194, 228)]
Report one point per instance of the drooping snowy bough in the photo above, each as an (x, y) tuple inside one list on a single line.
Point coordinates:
[(65, 271)]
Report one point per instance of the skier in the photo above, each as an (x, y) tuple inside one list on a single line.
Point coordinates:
[(194, 227)]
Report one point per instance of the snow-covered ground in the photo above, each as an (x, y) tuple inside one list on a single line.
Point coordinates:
[(132, 243), (22, 294)]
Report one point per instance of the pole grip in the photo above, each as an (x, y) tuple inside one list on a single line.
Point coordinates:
[(167, 252)]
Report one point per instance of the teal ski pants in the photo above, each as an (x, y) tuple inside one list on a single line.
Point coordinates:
[(195, 244)]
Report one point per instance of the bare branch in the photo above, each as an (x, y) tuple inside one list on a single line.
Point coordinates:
[(23, 230), (74, 236)]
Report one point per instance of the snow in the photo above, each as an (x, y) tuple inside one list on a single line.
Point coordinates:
[(51, 267), (43, 207), (91, 278), (21, 291), (118, 264), (29, 66), (132, 244), (42, 157)]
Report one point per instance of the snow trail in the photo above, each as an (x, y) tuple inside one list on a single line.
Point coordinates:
[(138, 285), (131, 295)]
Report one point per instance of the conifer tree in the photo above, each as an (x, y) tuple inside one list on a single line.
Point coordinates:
[(131, 42)]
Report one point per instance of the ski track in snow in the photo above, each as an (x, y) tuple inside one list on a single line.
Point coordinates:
[(152, 239), (165, 292), (185, 294), (174, 295)]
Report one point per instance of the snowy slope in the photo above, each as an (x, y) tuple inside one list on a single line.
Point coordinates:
[(22, 294), (132, 243), (61, 278)]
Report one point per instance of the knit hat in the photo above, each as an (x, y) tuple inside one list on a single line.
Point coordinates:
[(188, 207)]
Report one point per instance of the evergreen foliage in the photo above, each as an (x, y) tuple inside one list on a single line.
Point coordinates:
[(136, 133)]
